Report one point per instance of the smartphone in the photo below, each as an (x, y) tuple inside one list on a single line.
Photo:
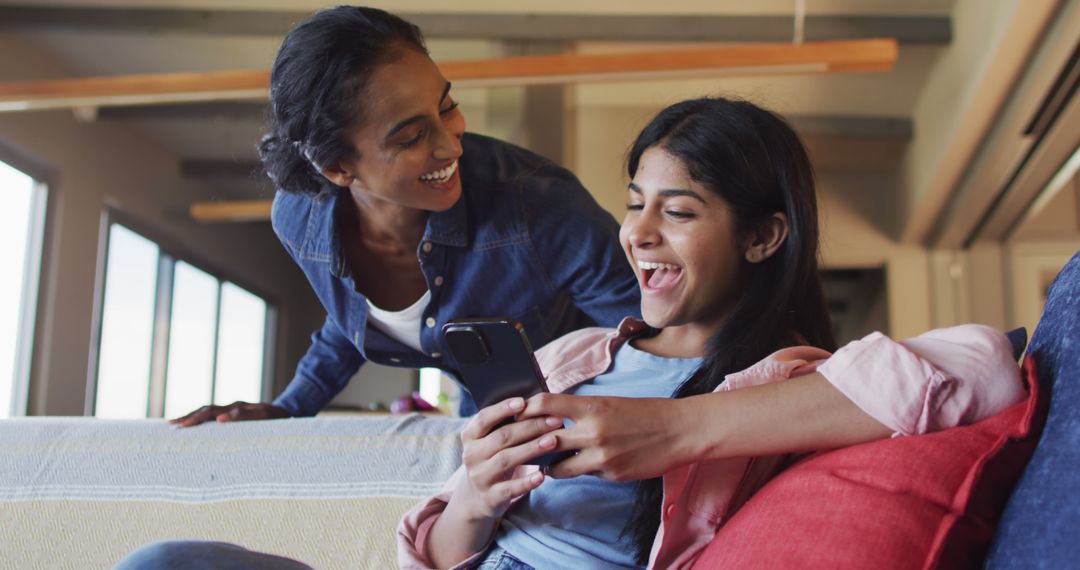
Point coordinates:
[(496, 362)]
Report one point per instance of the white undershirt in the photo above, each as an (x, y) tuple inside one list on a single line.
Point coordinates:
[(402, 326)]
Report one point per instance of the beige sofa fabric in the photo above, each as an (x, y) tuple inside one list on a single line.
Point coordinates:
[(81, 492)]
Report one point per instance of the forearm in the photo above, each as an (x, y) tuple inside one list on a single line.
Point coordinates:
[(323, 371), (805, 413), (456, 535)]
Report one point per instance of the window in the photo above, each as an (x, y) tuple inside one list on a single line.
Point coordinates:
[(174, 337), (22, 221), (431, 385), (191, 341), (241, 328), (127, 324)]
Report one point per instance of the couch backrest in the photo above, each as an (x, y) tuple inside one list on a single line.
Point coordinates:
[(1041, 524)]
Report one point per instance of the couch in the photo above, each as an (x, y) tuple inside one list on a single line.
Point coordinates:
[(81, 492)]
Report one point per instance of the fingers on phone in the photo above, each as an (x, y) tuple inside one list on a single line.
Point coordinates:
[(508, 490), (486, 420), (573, 466), (525, 432), (511, 457)]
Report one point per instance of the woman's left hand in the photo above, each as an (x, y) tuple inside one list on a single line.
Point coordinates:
[(619, 438)]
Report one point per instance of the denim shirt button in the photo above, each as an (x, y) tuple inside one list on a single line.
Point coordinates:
[(395, 360), (430, 322), (426, 247), (439, 281), (436, 354)]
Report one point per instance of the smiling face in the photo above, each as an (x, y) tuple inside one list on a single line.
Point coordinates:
[(410, 140), (681, 239)]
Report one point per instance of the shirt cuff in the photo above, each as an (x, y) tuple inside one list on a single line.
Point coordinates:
[(887, 381)]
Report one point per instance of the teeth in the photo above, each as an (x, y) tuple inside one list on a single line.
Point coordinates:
[(440, 176), (652, 265)]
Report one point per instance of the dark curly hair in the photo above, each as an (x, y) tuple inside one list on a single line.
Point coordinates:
[(316, 88)]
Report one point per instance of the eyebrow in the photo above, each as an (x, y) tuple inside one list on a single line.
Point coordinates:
[(671, 192), (418, 117)]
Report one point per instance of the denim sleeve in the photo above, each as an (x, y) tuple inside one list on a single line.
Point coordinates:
[(577, 242), (330, 362)]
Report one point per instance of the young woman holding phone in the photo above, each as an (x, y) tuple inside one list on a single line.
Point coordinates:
[(731, 362)]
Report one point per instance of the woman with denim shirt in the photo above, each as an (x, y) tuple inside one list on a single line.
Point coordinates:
[(401, 221)]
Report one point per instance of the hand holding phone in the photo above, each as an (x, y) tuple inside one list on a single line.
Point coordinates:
[(496, 362)]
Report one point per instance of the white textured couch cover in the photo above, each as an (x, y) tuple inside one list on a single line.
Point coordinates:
[(82, 492)]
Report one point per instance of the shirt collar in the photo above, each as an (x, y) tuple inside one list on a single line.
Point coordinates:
[(631, 327), (450, 227)]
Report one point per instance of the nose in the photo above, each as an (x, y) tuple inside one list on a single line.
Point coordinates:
[(448, 138), (641, 229)]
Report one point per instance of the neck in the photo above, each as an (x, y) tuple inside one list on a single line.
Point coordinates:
[(389, 224), (684, 341)]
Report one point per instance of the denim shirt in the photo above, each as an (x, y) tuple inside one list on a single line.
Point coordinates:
[(525, 240)]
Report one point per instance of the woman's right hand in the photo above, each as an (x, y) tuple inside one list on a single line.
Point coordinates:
[(234, 412), (491, 454)]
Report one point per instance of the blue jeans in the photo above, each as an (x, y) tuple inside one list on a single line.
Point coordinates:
[(196, 554), (499, 559)]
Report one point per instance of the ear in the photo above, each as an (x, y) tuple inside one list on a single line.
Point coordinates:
[(339, 174), (764, 240)]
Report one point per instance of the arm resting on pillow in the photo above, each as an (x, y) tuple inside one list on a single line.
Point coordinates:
[(798, 399), (870, 388)]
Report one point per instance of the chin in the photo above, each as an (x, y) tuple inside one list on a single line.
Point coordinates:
[(445, 202), (655, 319)]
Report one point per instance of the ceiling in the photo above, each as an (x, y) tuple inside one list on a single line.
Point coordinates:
[(859, 122)]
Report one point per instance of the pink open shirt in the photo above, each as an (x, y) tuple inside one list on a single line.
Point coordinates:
[(939, 379)]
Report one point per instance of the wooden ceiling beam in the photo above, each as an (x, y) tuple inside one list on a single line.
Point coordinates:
[(719, 60), (923, 29), (133, 90), (854, 133), (231, 211)]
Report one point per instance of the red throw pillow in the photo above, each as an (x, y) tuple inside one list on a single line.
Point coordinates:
[(908, 502)]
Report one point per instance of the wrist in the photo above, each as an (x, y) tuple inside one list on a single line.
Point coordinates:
[(701, 427), (469, 505), (684, 431)]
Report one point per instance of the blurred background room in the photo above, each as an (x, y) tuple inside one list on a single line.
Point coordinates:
[(136, 219)]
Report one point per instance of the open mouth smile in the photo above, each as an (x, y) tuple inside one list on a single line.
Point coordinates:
[(657, 276), (441, 176)]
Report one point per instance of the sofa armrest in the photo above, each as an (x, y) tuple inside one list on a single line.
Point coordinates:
[(82, 492)]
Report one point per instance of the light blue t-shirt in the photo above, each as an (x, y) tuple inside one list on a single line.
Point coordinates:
[(576, 523)]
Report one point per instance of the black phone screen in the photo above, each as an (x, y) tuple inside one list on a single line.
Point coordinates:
[(496, 362)]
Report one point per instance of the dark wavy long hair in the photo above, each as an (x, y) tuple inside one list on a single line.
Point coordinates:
[(752, 159), (317, 85)]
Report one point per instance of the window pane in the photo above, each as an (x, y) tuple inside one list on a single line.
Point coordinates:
[(241, 336), (127, 318), (188, 382), (431, 385), (18, 288)]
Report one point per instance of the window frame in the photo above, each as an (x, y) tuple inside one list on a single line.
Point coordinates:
[(34, 275), (169, 253)]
